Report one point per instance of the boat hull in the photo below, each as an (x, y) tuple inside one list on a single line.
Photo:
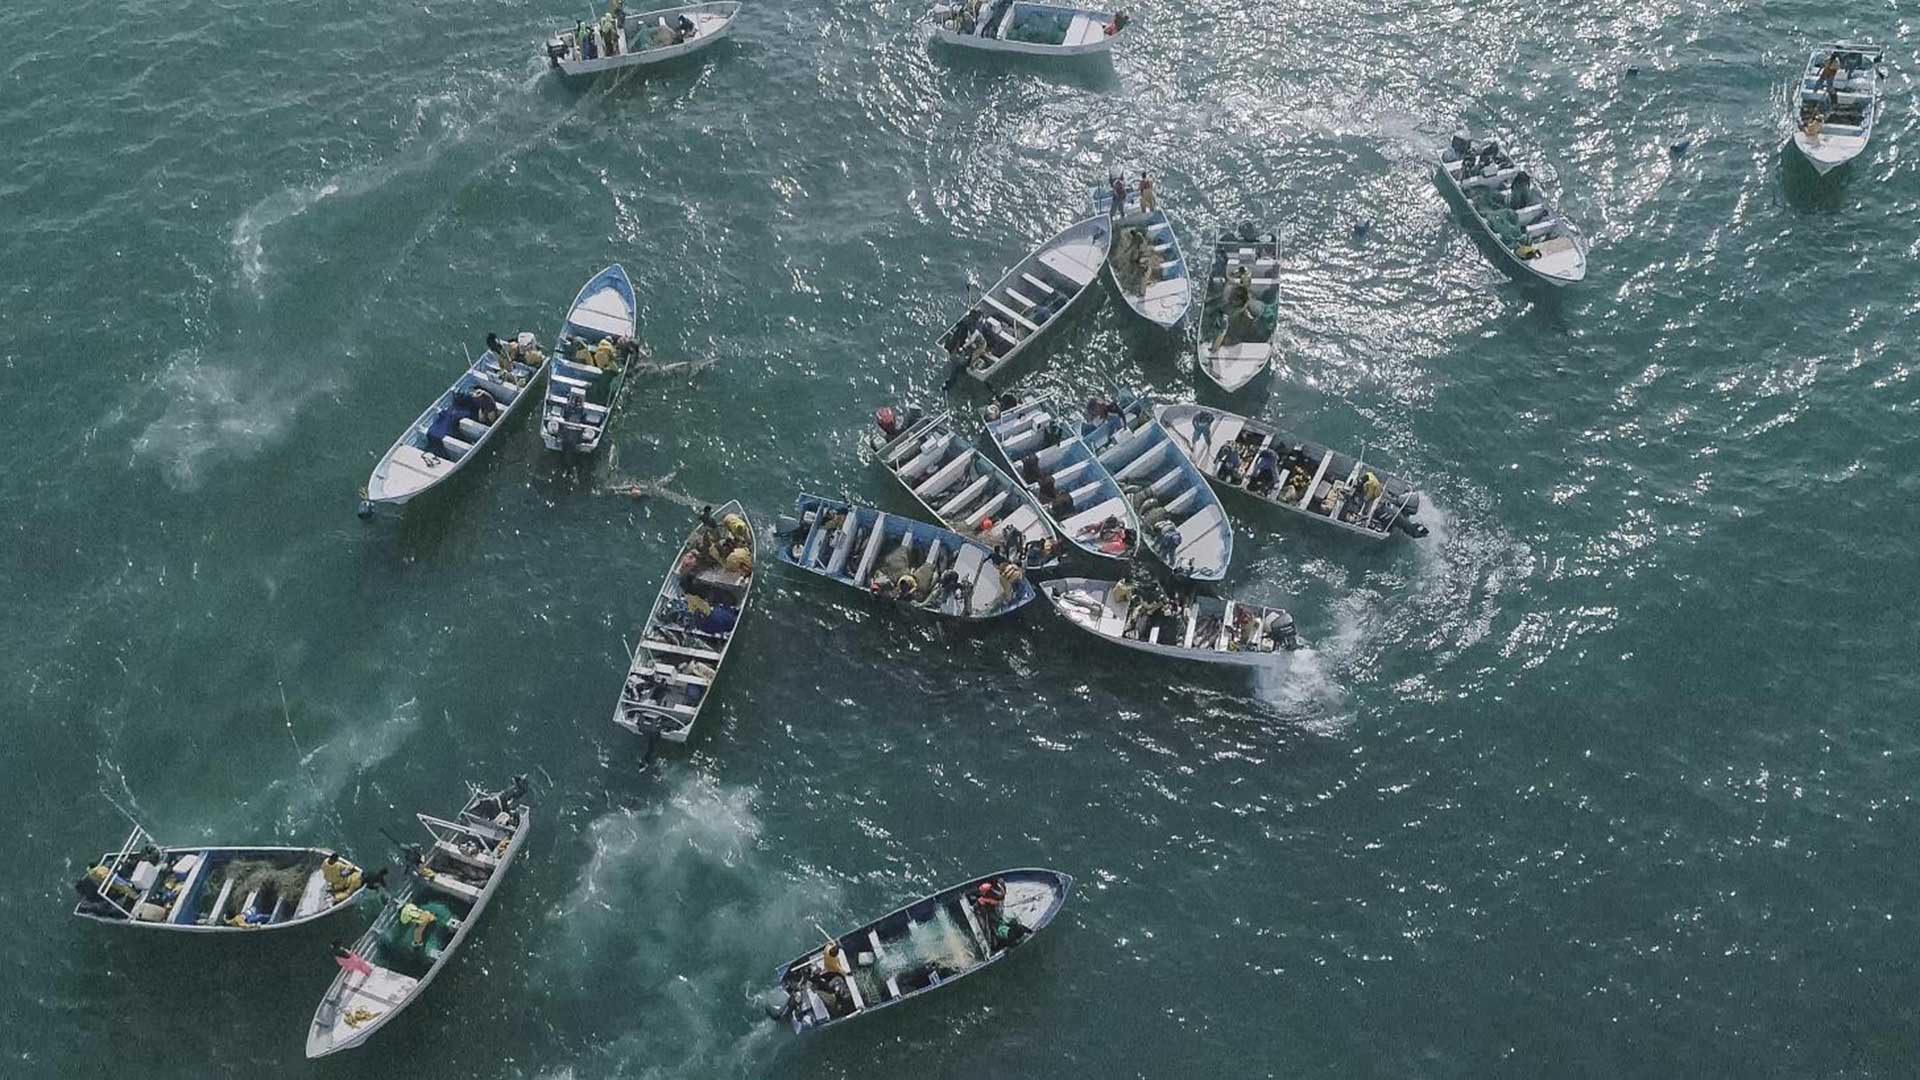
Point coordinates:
[(850, 556), (1089, 604), (196, 885), (1514, 264), (1034, 898), (713, 24), (662, 719), (325, 1035)]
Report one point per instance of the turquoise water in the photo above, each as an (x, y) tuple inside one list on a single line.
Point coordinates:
[(1606, 777)]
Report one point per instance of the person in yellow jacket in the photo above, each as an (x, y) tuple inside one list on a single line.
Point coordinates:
[(420, 919), (1371, 487), (342, 877)]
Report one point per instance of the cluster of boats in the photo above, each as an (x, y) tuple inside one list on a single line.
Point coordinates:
[(452, 874), (1098, 484)]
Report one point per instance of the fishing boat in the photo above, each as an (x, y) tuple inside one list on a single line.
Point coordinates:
[(961, 487), (920, 947), (1209, 629), (1305, 478), (1832, 128), (215, 890), (455, 428), (1508, 205), (875, 552), (642, 39), (690, 627), (1018, 26), (583, 391), (1077, 496), (1181, 519), (427, 918), (1144, 264), (1029, 300), (1241, 314)]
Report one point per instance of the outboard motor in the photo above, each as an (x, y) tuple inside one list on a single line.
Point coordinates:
[(1247, 235), (557, 50), (1281, 631), (1461, 146)]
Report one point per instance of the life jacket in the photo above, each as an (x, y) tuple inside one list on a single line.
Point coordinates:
[(341, 876)]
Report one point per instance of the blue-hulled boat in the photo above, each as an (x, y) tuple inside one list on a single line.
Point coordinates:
[(1051, 461), (962, 487), (920, 947), (213, 890), (1181, 518), (881, 553), (453, 430), (584, 389), (1144, 262)]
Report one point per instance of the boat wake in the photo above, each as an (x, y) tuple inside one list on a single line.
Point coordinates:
[(676, 903), (214, 411)]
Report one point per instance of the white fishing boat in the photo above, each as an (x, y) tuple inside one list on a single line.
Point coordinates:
[(1145, 264), (1181, 519), (1019, 26), (215, 890), (1077, 495), (690, 628), (962, 487), (1295, 474), (1833, 119), (1508, 205), (1029, 300), (426, 919), (591, 355), (641, 39), (1240, 317), (1210, 629), (455, 428), (919, 947)]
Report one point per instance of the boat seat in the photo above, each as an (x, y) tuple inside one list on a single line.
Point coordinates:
[(472, 429), (680, 650), (1165, 481), (1000, 332), (992, 507), (452, 886), (592, 410), (502, 393), (893, 986), (966, 495), (1022, 298), (1044, 288), (455, 448), (1019, 319), (1068, 475)]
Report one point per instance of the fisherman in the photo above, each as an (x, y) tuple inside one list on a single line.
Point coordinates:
[(1146, 194), (1828, 71), (989, 896), (420, 919), (683, 29), (1371, 487), (1167, 542), (610, 34), (583, 39), (343, 878), (350, 962), (1118, 184), (1264, 474), (1226, 463), (618, 9)]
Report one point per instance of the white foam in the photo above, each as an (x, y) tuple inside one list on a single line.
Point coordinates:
[(215, 411)]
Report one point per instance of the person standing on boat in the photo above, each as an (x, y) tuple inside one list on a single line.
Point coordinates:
[(1119, 185), (1146, 194), (618, 9), (610, 34), (1828, 71), (350, 961)]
